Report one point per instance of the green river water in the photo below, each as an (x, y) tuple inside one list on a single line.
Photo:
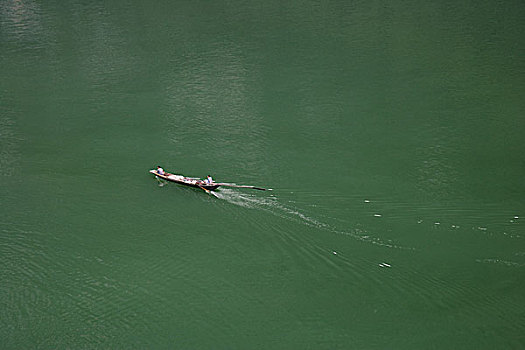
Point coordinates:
[(392, 135)]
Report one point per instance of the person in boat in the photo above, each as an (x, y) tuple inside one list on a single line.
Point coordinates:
[(208, 180), (160, 171)]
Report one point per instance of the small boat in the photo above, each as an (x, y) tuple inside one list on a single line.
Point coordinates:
[(199, 183), (188, 181)]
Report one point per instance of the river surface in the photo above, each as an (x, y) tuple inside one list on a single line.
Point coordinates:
[(392, 135)]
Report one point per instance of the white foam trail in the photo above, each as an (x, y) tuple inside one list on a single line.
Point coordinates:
[(272, 205)]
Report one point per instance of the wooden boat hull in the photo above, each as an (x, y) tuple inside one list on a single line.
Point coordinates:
[(186, 181)]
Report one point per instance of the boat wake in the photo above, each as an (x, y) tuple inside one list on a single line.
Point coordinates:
[(274, 206)]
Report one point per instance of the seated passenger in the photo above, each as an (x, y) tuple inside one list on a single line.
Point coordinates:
[(208, 180), (160, 171)]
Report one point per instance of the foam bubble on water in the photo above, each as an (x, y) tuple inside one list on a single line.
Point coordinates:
[(500, 261), (243, 199)]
